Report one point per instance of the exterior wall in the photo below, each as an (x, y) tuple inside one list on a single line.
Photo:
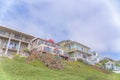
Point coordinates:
[(94, 58), (75, 50), (46, 46), (71, 45), (78, 55), (3, 42), (13, 41)]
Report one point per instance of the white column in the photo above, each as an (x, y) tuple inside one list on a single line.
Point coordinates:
[(29, 46), (18, 50), (7, 46), (75, 56), (81, 55)]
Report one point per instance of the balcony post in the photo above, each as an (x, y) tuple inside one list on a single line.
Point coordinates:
[(6, 51), (29, 45), (18, 50)]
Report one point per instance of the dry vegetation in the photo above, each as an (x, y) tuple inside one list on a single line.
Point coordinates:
[(49, 60)]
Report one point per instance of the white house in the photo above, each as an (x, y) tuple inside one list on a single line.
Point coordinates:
[(110, 65), (94, 58)]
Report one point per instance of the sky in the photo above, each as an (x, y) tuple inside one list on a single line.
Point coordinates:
[(94, 23)]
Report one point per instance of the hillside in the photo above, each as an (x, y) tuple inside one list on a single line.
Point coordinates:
[(18, 70)]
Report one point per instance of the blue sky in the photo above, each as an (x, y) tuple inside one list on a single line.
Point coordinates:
[(95, 23)]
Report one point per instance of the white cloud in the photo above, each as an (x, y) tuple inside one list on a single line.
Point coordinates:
[(115, 46), (6, 6)]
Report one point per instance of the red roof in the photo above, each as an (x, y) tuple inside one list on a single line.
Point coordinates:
[(51, 41)]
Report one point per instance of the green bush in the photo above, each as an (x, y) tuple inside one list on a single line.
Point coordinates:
[(26, 50), (16, 55)]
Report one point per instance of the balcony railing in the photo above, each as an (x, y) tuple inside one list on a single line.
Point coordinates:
[(7, 35)]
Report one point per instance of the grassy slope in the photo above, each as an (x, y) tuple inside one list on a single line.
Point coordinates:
[(18, 70)]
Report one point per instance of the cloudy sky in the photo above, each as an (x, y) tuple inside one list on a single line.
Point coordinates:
[(95, 23)]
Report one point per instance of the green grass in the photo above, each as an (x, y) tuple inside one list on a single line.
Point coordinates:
[(18, 70)]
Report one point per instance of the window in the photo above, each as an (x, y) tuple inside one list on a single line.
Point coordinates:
[(84, 56), (50, 50), (5, 44), (68, 47), (40, 42), (46, 49), (82, 49), (59, 52), (79, 48), (94, 54), (17, 36), (88, 51), (13, 45), (2, 32), (79, 54)]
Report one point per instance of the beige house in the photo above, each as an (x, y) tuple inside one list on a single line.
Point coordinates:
[(12, 41), (75, 50)]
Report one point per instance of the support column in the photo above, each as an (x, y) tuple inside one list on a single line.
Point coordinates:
[(18, 50), (75, 56), (29, 46), (6, 52), (81, 55)]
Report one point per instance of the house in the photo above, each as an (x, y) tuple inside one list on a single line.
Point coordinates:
[(12, 41), (94, 58), (46, 46), (110, 65), (75, 50)]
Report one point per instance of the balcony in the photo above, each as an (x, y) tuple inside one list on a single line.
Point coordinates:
[(4, 35), (26, 40), (14, 36)]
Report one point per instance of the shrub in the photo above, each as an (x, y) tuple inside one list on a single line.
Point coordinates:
[(15, 56), (81, 60), (26, 50)]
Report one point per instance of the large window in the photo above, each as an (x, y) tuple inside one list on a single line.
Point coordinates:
[(78, 53), (84, 56), (40, 42), (13, 45), (5, 43), (47, 49), (79, 48), (17, 36), (73, 46), (58, 52), (82, 49), (69, 47), (2, 32)]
